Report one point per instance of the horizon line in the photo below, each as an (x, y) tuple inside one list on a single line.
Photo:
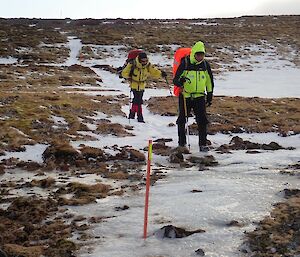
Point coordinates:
[(178, 18)]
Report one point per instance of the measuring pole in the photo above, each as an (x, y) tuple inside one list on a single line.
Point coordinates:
[(147, 187)]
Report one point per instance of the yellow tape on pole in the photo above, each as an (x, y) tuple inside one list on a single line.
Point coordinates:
[(150, 150)]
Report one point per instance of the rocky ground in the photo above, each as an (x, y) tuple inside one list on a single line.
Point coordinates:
[(34, 90)]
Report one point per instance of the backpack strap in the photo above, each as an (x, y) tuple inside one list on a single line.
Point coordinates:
[(186, 61), (148, 66), (205, 64), (133, 65)]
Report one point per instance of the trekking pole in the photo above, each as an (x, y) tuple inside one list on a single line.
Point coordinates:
[(187, 122), (129, 104), (169, 86)]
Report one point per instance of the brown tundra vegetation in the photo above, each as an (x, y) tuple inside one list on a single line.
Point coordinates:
[(36, 87)]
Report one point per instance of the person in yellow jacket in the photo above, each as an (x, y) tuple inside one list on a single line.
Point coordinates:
[(137, 72), (194, 77)]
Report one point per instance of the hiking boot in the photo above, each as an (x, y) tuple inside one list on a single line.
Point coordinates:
[(203, 148), (140, 118), (182, 149), (131, 115)]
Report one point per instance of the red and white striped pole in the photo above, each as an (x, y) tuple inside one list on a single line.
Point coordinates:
[(147, 188)]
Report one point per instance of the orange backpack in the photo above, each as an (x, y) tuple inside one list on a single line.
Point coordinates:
[(179, 54)]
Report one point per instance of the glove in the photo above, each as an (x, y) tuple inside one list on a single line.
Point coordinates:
[(119, 69), (163, 74), (181, 81), (209, 97)]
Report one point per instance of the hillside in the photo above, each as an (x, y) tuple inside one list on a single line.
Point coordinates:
[(72, 170)]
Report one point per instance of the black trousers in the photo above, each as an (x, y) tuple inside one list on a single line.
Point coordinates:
[(137, 102), (199, 109), (137, 96)]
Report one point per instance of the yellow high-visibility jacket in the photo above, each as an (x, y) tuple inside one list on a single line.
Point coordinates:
[(198, 77), (139, 74)]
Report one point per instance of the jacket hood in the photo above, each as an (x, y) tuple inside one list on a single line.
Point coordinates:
[(198, 47)]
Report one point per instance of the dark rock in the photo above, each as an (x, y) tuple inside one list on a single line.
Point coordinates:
[(223, 149), (238, 143), (105, 67), (290, 148), (122, 208), (161, 149), (200, 252), (271, 146), (171, 231), (196, 191), (234, 223), (291, 192), (176, 157), (208, 160)]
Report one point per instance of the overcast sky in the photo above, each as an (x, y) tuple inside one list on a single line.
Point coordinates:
[(77, 9)]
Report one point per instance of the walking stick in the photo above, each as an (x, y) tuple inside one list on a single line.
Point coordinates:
[(129, 104), (187, 122), (169, 86)]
